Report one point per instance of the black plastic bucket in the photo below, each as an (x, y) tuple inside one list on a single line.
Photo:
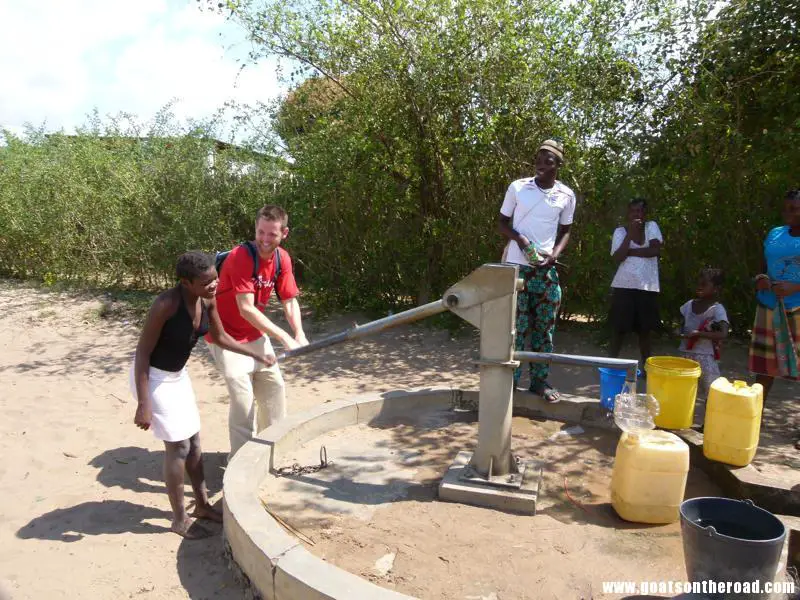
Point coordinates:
[(727, 540)]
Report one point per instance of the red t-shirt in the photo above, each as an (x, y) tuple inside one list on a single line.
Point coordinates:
[(237, 278)]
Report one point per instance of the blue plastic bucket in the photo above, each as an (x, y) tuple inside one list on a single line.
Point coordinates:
[(611, 382)]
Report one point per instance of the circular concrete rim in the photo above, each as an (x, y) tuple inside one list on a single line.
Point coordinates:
[(277, 565)]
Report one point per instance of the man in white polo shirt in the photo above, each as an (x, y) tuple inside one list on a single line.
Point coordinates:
[(536, 216)]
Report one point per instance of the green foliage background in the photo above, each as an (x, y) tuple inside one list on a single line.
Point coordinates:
[(405, 123), (112, 207)]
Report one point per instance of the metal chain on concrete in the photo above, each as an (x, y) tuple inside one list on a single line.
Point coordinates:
[(296, 469)]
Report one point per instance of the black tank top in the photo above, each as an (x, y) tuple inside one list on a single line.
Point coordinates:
[(178, 337)]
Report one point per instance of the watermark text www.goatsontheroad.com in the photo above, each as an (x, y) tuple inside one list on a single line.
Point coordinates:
[(698, 587)]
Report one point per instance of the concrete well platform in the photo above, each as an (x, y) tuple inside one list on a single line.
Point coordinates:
[(317, 533)]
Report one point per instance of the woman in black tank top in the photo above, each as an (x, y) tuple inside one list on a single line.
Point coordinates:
[(178, 336), (160, 383)]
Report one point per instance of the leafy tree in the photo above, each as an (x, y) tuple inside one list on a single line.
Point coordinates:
[(721, 149), (410, 118)]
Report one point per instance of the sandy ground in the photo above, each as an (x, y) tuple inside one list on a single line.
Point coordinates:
[(85, 510)]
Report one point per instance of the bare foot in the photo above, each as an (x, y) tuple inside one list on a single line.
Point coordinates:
[(207, 512), (190, 530)]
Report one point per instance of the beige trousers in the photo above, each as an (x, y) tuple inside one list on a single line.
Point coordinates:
[(257, 392)]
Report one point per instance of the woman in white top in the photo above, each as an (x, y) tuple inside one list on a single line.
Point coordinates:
[(635, 288)]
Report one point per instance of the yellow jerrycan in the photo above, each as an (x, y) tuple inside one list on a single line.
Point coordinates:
[(648, 481), (733, 422), (649, 477)]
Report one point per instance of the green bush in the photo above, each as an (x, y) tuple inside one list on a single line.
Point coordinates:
[(114, 209)]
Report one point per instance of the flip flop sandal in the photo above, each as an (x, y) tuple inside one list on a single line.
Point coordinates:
[(547, 392)]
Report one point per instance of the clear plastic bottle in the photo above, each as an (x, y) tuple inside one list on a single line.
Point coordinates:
[(634, 413)]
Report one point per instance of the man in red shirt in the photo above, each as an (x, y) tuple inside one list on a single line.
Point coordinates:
[(257, 392)]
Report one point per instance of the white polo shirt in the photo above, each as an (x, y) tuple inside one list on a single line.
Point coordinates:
[(536, 214)]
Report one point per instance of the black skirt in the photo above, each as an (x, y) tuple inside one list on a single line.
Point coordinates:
[(634, 310)]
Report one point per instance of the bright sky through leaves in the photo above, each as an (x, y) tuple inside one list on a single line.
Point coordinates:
[(60, 60)]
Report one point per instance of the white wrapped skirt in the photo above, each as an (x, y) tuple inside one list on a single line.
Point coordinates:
[(175, 414)]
